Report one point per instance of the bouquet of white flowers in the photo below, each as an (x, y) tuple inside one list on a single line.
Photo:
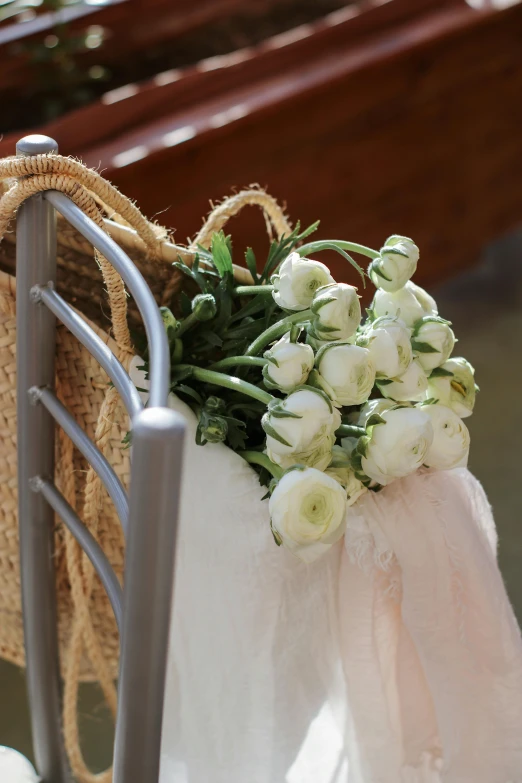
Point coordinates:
[(324, 406)]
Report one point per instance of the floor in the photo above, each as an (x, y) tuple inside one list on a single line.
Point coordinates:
[(485, 306)]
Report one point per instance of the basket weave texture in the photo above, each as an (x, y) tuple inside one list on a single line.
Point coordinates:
[(87, 630)]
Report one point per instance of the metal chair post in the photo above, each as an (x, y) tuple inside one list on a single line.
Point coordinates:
[(149, 518), (35, 350)]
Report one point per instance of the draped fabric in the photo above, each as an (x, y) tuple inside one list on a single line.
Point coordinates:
[(395, 658)]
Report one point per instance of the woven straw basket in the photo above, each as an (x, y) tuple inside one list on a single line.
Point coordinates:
[(87, 631)]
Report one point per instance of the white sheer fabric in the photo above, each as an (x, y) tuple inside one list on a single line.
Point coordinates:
[(395, 658)]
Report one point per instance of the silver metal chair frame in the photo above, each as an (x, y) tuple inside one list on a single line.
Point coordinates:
[(148, 516)]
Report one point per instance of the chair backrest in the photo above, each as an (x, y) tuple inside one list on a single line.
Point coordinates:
[(148, 516)]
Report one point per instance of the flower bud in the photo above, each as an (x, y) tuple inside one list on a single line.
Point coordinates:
[(336, 312), (453, 385), (410, 387), (289, 364), (301, 429), (388, 341), (450, 446), (297, 281), (212, 428), (396, 264), (398, 446), (345, 372), (168, 318), (432, 342), (204, 307), (340, 468), (409, 304)]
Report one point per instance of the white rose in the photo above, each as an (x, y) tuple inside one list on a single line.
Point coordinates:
[(346, 372), (398, 447), (373, 407), (297, 281), (389, 342), (308, 512), (432, 341), (289, 364), (410, 304), (396, 264), (336, 312), (450, 446), (453, 385), (410, 387), (341, 470), (300, 430)]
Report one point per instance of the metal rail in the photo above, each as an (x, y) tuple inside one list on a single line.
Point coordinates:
[(149, 518)]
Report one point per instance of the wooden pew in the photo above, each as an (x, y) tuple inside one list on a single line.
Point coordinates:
[(384, 117)]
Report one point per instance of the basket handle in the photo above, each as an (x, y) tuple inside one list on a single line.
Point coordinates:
[(38, 173), (221, 214)]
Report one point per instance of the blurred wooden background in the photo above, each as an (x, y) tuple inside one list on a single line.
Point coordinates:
[(377, 117)]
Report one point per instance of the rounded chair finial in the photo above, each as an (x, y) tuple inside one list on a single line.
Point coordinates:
[(36, 144)]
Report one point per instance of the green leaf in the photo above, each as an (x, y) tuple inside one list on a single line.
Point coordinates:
[(362, 446), (394, 250), (221, 254), (277, 537), (211, 338), (251, 263), (273, 432), (185, 304), (374, 420), (440, 372), (326, 245), (376, 267), (384, 381), (181, 388), (423, 347)]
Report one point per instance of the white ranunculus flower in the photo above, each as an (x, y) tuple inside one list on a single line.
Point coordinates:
[(341, 470), (297, 281), (395, 265), (373, 407), (410, 387), (289, 364), (398, 447), (389, 342), (300, 430), (308, 512), (453, 385), (336, 312), (432, 341), (410, 304), (346, 373), (450, 446)]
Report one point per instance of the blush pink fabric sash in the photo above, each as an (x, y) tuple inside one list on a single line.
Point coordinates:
[(395, 658), (431, 649)]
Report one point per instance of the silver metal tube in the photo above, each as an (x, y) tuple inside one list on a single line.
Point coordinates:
[(149, 575), (87, 542), (94, 344), (36, 265), (93, 455), (156, 335)]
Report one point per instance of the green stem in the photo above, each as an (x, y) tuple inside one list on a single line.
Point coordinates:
[(235, 361), (186, 324), (350, 431), (313, 247), (257, 458), (177, 351), (277, 330), (228, 381), (252, 290)]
